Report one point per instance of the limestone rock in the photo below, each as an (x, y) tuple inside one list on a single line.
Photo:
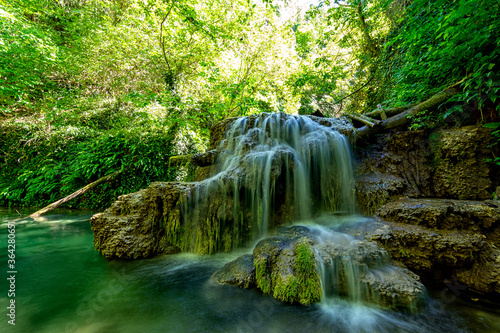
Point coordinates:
[(447, 163), (302, 265), (219, 130), (461, 169), (134, 226), (374, 190), (441, 255), (424, 250), (239, 272), (443, 213)]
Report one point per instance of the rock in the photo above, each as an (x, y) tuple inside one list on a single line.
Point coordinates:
[(443, 213), (374, 190), (447, 163), (141, 224), (423, 250), (218, 132), (205, 159), (394, 287), (461, 170), (239, 272), (437, 256), (206, 172), (484, 275), (302, 265)]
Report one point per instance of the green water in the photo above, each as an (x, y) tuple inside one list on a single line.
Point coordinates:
[(63, 285)]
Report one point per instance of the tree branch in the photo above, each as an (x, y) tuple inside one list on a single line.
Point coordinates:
[(74, 195), (162, 43), (354, 92), (404, 117)]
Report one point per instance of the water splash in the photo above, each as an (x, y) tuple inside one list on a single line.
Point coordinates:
[(272, 169)]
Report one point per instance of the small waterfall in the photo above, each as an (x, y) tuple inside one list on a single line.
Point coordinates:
[(275, 169), (360, 272), (272, 169)]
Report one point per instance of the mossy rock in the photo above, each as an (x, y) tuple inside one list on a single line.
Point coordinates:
[(287, 267)]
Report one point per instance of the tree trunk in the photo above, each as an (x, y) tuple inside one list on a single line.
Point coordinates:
[(73, 195), (403, 117), (390, 112)]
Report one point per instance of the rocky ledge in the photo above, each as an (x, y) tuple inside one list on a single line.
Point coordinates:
[(443, 240)]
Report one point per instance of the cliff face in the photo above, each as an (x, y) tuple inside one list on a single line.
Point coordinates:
[(448, 163), (431, 193)]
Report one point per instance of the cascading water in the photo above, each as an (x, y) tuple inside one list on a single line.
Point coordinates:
[(272, 169), (360, 272), (275, 169)]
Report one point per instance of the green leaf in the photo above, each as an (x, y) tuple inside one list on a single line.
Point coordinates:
[(492, 125)]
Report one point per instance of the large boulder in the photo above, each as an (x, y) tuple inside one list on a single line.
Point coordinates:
[(141, 224), (302, 265)]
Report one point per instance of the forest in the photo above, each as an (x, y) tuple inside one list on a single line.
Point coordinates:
[(90, 88)]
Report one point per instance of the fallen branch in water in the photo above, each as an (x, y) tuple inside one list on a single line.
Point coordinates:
[(74, 195)]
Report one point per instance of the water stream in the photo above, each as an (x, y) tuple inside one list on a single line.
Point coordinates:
[(63, 285)]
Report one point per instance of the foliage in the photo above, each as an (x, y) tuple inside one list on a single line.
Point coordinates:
[(88, 87), (441, 42), (262, 277), (41, 164), (495, 127)]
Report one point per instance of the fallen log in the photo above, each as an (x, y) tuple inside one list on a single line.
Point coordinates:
[(362, 119), (390, 111), (404, 117), (74, 195)]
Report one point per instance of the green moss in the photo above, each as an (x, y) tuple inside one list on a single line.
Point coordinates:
[(286, 289), (309, 283), (227, 241), (261, 275), (97, 243)]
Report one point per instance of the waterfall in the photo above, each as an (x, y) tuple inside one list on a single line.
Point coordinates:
[(272, 169), (277, 169)]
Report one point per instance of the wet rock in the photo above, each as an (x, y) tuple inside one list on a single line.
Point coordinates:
[(239, 272), (424, 250), (394, 287), (141, 224), (443, 213), (302, 265), (219, 130), (374, 190), (484, 275), (205, 159), (464, 256), (203, 173)]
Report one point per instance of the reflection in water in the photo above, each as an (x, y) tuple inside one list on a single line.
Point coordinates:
[(63, 285)]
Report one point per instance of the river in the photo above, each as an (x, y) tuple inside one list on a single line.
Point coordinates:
[(63, 285)]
